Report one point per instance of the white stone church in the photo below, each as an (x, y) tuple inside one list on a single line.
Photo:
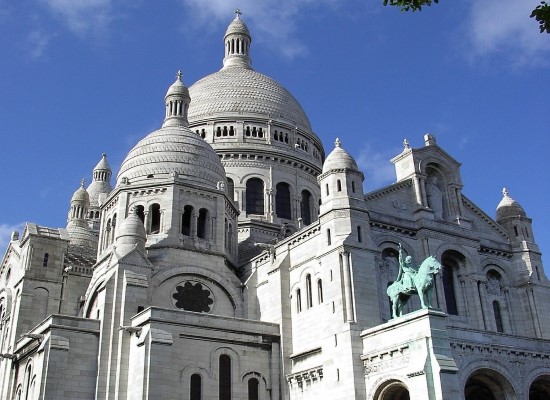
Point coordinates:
[(232, 260)]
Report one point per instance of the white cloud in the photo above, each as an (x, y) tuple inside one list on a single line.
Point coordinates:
[(272, 20), (5, 234), (505, 26), (376, 166), (83, 17), (38, 42)]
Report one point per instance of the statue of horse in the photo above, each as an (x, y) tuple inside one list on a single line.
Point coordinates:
[(423, 286)]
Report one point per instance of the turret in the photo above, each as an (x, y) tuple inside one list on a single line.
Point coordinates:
[(237, 41), (511, 215), (177, 104), (131, 234), (98, 190)]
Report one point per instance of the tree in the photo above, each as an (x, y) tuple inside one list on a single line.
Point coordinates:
[(541, 13)]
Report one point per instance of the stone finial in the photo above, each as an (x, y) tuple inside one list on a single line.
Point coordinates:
[(337, 143), (179, 75), (82, 183), (14, 236), (505, 192), (429, 139), (406, 144)]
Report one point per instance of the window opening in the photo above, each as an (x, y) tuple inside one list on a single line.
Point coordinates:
[(282, 200), (225, 377), (186, 220), (255, 196)]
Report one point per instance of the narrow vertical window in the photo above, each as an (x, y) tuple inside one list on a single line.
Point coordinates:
[(327, 191), (319, 291), (202, 223), (449, 290), (516, 230), (255, 196), (195, 392), (353, 186), (155, 218), (230, 188), (45, 260), (186, 220), (359, 235), (306, 207), (140, 211), (309, 297), (253, 389), (282, 200), (498, 316), (339, 185), (329, 241), (298, 300), (225, 377)]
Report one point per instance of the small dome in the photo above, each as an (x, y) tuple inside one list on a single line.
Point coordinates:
[(101, 181), (508, 207), (178, 88), (173, 149), (81, 195), (237, 26), (339, 159), (82, 236), (130, 233)]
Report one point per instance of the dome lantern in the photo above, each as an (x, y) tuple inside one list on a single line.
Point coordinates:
[(237, 41), (177, 103)]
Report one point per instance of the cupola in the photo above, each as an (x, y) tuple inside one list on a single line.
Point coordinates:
[(131, 233), (177, 103), (80, 202), (237, 41)]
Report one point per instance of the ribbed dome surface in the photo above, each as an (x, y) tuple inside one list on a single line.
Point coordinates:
[(508, 207), (169, 150), (339, 159), (81, 236), (81, 195), (237, 26), (244, 92), (95, 189)]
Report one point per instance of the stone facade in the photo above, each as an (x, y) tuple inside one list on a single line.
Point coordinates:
[(233, 260)]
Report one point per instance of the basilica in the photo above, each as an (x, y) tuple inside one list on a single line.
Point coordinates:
[(232, 258)]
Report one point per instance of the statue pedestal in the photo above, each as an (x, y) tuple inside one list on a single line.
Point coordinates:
[(410, 354)]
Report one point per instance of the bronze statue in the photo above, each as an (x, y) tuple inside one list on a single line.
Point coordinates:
[(411, 280)]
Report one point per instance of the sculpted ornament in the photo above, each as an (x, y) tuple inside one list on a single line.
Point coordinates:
[(412, 280), (493, 286)]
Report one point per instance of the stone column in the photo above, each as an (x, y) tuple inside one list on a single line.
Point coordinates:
[(348, 297)]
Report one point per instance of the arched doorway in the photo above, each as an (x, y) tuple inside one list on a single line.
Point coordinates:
[(486, 384), (392, 390), (540, 388)]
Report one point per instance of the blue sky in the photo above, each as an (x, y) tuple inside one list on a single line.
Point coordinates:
[(83, 77)]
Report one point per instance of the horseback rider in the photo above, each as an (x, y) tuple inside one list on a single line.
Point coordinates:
[(407, 271)]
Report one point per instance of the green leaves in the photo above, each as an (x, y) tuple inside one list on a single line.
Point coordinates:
[(542, 15), (413, 5)]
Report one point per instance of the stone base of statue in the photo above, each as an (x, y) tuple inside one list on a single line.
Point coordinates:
[(410, 358)]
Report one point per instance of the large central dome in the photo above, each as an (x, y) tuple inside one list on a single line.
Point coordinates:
[(243, 91)]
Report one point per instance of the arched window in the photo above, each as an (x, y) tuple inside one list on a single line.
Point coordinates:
[(113, 225), (319, 291), (196, 389), (186, 220), (306, 207), (253, 389), (282, 200), (309, 296), (298, 300), (450, 261), (230, 188), (202, 223), (339, 185), (27, 381), (498, 316), (155, 218), (45, 260), (255, 196), (140, 211), (225, 377)]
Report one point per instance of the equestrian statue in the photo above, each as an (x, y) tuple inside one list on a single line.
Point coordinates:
[(412, 280)]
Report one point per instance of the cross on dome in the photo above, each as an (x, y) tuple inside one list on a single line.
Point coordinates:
[(179, 75), (505, 192), (337, 143), (238, 14), (82, 182)]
